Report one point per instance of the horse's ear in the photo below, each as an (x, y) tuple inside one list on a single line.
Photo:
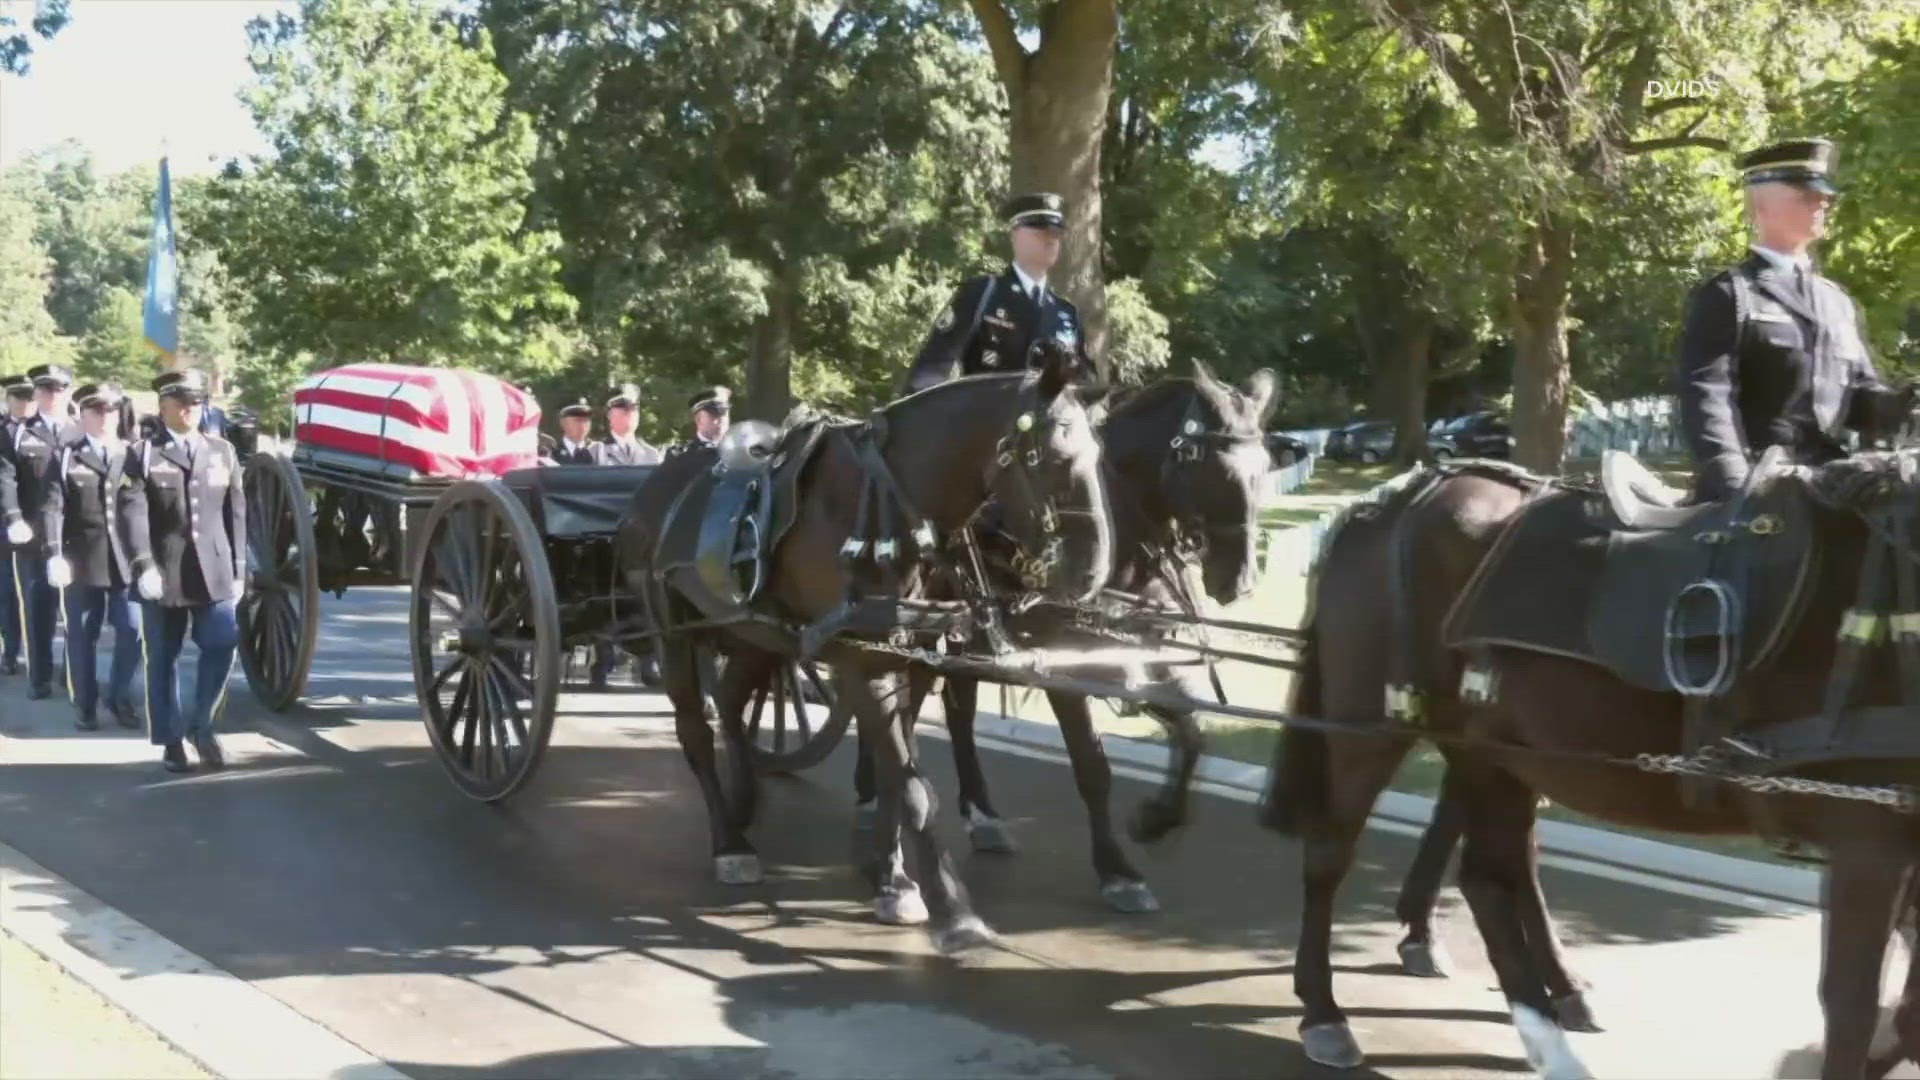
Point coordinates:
[(1203, 374), (1262, 387)]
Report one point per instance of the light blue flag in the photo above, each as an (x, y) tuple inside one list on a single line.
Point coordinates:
[(161, 315)]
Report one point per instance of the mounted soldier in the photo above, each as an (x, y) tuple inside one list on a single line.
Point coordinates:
[(992, 323), (711, 406), (29, 463), (1771, 353), (18, 406), (622, 446)]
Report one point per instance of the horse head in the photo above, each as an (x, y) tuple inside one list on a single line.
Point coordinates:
[(1046, 476), (1213, 461)]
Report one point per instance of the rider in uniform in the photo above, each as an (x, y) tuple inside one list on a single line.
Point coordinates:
[(992, 323), (18, 406), (29, 465), (81, 510), (622, 446), (710, 406), (1771, 353), (573, 447), (183, 517)]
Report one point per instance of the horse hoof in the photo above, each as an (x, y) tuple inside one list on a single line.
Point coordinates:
[(1129, 897), (900, 908), (1548, 1051), (737, 869), (1153, 821), (991, 835), (1575, 1014), (866, 815), (1332, 1045), (1424, 959), (969, 933)]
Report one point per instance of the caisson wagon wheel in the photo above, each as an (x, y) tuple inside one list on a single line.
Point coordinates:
[(485, 632), (794, 722), (280, 614)]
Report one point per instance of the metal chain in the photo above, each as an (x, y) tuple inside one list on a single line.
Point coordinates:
[(1903, 799)]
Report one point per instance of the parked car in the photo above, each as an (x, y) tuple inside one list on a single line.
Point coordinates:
[(1484, 434), (1367, 441), (1284, 450)]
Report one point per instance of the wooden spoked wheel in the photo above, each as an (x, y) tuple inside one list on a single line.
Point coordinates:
[(794, 721), (485, 632), (279, 615)]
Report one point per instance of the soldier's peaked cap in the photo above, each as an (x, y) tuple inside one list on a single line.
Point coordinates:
[(624, 396), (1806, 162), (16, 384), (577, 408), (1040, 210), (98, 396), (713, 398), (50, 375), (189, 383)]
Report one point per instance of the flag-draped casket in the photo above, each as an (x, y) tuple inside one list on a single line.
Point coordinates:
[(431, 421)]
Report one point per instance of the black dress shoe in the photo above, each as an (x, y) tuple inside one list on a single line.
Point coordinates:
[(208, 748), (9, 666), (124, 714), (174, 758), (88, 720), (40, 693)]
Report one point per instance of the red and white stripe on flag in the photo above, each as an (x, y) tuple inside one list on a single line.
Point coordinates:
[(432, 420)]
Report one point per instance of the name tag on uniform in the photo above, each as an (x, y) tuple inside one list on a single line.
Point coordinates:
[(1771, 316), (164, 467)]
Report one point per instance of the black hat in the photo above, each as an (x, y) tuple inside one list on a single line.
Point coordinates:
[(625, 396), (98, 396), (188, 383), (578, 408), (714, 399), (1040, 210), (54, 375), (1806, 162), (17, 385)]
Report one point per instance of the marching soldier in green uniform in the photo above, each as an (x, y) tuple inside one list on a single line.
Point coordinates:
[(993, 323), (1771, 353)]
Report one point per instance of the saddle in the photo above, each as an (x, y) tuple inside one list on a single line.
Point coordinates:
[(1673, 598), (726, 523)]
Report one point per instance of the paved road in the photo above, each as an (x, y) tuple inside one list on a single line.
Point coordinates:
[(575, 932)]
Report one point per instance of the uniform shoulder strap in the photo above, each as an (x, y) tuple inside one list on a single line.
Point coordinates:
[(980, 309), (1742, 305)]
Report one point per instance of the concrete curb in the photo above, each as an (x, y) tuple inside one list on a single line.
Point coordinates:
[(1632, 856), (229, 1026)]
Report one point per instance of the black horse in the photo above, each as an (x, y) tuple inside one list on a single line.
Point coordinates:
[(1183, 463), (1023, 440)]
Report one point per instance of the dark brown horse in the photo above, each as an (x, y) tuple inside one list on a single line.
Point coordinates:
[(1024, 440), (1183, 464), (1551, 724)]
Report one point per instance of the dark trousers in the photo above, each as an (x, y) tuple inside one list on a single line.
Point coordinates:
[(88, 608), (9, 609), (40, 613), (215, 633)]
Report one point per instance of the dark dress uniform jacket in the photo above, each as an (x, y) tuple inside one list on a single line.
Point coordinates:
[(990, 326), (83, 510), (563, 456), (690, 445), (188, 516), (7, 423), (611, 452), (1762, 365), (29, 467)]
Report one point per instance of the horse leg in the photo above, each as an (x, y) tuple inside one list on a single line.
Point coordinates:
[(747, 671), (1166, 809), (866, 808), (1121, 886), (1866, 882), (875, 702), (1496, 870), (960, 698), (1325, 789), (734, 860), (1420, 954), (1906, 1014)]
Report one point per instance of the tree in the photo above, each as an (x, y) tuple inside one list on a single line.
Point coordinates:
[(738, 196), (16, 44), (387, 222), (28, 334)]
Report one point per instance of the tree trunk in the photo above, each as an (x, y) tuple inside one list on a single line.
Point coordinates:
[(1058, 97), (1410, 384), (770, 369), (1541, 376)]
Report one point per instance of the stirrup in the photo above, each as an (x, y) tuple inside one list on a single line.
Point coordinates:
[(1710, 602)]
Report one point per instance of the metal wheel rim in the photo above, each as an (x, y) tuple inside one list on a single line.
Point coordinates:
[(485, 630), (794, 722), (279, 615)]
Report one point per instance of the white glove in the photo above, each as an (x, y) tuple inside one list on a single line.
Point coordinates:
[(150, 584), (19, 533), (59, 572)]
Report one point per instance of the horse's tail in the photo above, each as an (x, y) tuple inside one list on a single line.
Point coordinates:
[(1296, 792)]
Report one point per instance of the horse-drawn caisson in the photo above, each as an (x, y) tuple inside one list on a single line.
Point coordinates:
[(1743, 665)]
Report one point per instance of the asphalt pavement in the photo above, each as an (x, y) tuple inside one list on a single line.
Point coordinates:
[(576, 932)]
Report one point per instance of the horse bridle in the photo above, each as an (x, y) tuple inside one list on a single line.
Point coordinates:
[(1019, 450), (1190, 531)]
